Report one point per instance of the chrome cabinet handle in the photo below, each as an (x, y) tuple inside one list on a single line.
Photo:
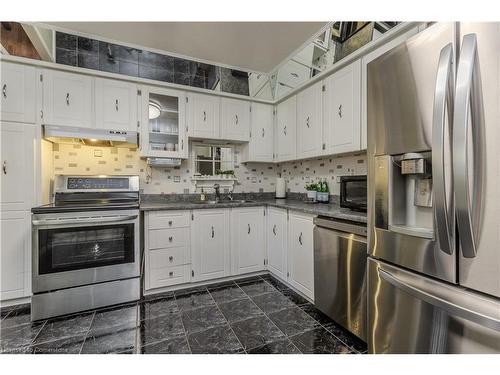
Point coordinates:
[(248, 228), (443, 100), (284, 130), (213, 232), (4, 167), (340, 111), (4, 90), (116, 105), (170, 222), (182, 144), (263, 133), (300, 238), (170, 239), (67, 98), (274, 229), (448, 306), (170, 258), (204, 116), (236, 119), (307, 122), (170, 274), (468, 103)]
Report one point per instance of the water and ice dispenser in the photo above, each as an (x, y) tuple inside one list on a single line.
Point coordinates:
[(404, 194)]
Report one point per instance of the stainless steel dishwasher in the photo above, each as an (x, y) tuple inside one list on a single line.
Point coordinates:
[(340, 272)]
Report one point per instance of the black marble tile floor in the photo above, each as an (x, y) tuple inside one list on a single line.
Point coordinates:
[(256, 315)]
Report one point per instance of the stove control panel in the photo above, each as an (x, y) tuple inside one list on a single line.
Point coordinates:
[(97, 183)]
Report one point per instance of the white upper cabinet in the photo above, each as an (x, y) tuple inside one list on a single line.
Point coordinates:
[(301, 253), (17, 158), (67, 99), (18, 93), (115, 105), (235, 120), (210, 252), (203, 116), (309, 125), (285, 130), (276, 230), (261, 145), (342, 110), (247, 240), (163, 124)]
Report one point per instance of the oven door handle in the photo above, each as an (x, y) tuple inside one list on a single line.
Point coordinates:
[(85, 220)]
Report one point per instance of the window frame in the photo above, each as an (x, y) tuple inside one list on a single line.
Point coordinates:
[(213, 160)]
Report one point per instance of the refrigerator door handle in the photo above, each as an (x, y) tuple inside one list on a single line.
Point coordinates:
[(468, 104), (448, 306), (443, 100)]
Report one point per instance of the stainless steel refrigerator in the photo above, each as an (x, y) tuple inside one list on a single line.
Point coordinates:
[(434, 192)]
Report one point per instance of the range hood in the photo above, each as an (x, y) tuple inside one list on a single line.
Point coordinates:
[(90, 137)]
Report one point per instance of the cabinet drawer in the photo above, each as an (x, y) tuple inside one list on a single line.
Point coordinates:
[(168, 219), (166, 238), (162, 258), (167, 276)]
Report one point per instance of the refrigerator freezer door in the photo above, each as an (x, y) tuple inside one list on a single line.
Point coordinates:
[(479, 253), (401, 86), (409, 97), (409, 313)]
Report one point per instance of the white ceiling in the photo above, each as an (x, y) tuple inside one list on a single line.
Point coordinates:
[(253, 46)]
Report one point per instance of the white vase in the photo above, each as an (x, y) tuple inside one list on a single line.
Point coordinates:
[(311, 195)]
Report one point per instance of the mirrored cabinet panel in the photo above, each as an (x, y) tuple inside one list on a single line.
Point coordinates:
[(163, 123)]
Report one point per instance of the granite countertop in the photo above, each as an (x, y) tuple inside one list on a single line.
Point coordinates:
[(332, 210)]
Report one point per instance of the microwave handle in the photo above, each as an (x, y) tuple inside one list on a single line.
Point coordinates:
[(86, 220)]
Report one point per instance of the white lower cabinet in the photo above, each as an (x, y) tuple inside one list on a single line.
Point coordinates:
[(211, 244), (181, 247), (276, 230), (15, 255), (167, 248), (300, 253), (247, 240)]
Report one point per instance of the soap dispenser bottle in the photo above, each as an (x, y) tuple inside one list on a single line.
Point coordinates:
[(202, 195)]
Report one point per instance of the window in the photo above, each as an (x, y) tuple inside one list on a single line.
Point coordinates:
[(212, 160)]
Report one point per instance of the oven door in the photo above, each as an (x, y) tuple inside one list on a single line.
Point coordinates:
[(74, 249)]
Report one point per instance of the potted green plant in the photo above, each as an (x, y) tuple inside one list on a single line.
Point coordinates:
[(228, 174), (311, 192)]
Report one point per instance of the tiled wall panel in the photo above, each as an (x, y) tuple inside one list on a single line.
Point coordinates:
[(252, 177)]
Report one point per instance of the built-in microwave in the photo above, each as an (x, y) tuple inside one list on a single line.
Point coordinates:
[(353, 192)]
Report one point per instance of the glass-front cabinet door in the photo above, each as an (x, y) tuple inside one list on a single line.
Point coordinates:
[(163, 126)]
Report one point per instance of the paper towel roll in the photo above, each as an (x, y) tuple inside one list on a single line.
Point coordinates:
[(280, 188)]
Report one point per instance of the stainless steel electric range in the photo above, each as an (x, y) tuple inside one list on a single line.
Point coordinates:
[(86, 251)]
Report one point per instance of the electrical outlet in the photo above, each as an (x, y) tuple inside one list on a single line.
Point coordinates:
[(177, 178)]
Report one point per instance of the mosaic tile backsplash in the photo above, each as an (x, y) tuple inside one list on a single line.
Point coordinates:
[(252, 177), (98, 55)]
